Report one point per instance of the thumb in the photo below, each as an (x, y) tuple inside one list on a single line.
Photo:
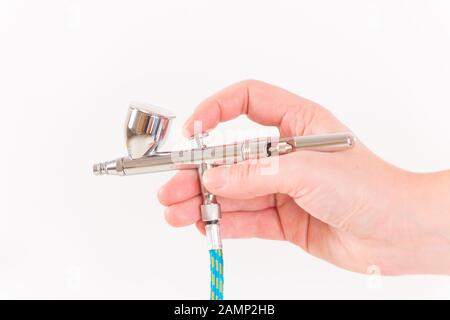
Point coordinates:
[(252, 178)]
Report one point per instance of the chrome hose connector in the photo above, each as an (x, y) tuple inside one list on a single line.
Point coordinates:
[(210, 209)]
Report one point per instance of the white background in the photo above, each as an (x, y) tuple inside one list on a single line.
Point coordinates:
[(68, 70)]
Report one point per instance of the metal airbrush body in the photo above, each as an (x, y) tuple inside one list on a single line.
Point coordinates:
[(146, 129)]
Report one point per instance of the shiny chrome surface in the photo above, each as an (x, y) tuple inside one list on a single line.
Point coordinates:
[(146, 128), (210, 209), (322, 142), (213, 236), (225, 154), (155, 163), (210, 212), (113, 167)]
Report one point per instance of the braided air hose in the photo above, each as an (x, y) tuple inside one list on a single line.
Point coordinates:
[(216, 267)]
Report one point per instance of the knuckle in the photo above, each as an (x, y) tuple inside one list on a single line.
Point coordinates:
[(244, 172), (250, 83)]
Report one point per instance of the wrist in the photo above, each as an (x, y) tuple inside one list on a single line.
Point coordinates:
[(429, 219)]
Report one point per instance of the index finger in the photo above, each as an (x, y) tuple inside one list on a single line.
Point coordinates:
[(261, 102)]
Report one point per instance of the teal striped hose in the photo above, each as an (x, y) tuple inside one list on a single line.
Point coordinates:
[(216, 267)]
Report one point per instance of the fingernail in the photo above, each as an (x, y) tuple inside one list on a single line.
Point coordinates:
[(215, 178)]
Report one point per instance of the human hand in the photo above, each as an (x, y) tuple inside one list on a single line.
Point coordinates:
[(350, 208)]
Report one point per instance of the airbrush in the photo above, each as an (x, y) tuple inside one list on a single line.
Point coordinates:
[(146, 129)]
